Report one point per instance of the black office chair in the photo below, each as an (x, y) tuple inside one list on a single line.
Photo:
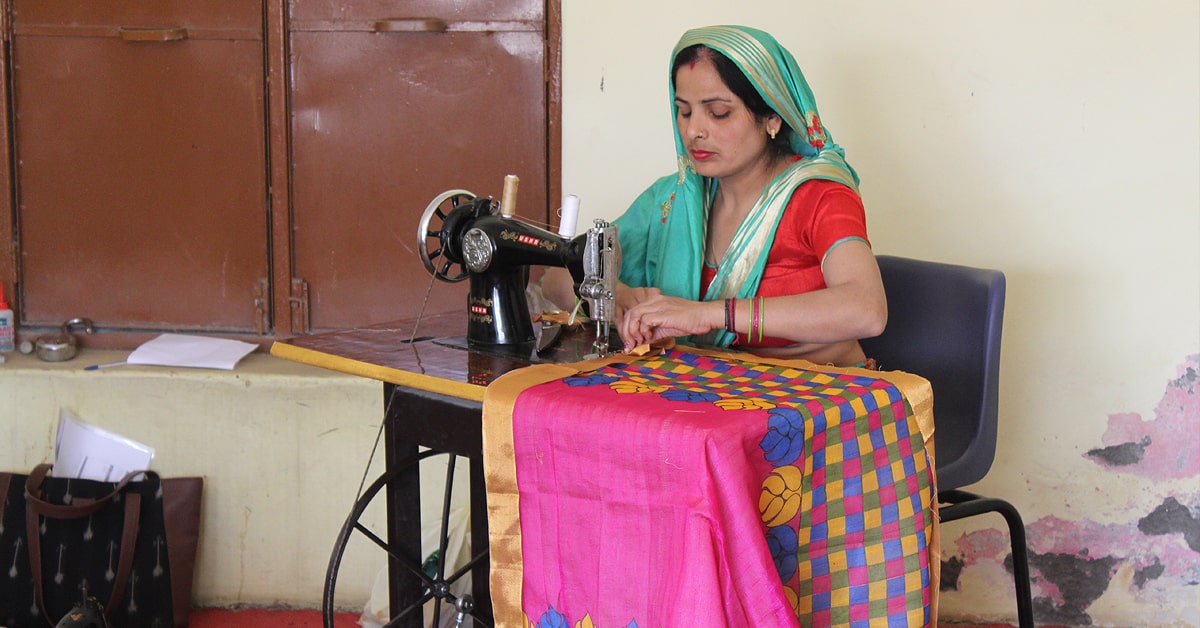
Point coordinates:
[(944, 324)]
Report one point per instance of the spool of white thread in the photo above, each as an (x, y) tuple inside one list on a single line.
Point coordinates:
[(568, 216)]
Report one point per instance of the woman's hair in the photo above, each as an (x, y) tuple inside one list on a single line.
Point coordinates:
[(737, 83)]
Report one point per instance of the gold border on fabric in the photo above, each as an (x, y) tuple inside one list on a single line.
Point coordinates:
[(503, 499)]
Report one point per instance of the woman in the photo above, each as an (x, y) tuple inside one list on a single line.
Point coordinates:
[(759, 241)]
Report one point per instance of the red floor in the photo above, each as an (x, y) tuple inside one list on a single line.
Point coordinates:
[(261, 618)]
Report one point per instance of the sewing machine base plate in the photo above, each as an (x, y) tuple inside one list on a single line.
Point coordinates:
[(574, 346)]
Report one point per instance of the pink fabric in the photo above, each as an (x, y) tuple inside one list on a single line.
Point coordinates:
[(687, 490), (640, 512)]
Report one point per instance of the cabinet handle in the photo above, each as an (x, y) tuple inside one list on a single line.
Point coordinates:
[(411, 25), (153, 34)]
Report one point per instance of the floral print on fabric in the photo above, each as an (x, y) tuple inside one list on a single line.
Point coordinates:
[(844, 506)]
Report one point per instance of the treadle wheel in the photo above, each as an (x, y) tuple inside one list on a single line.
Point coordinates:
[(437, 586)]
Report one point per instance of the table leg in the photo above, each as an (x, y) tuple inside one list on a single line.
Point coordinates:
[(414, 419), (480, 585), (403, 513)]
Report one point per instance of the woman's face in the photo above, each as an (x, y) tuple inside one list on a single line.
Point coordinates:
[(720, 133)]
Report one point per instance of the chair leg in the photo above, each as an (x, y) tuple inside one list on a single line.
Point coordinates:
[(962, 505)]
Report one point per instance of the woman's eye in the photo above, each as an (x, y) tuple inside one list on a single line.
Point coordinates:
[(720, 115)]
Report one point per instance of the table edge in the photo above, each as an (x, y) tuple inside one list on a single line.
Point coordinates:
[(429, 383)]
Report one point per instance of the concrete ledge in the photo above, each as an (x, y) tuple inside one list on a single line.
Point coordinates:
[(282, 446)]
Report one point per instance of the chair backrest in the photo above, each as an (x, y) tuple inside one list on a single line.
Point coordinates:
[(944, 324)]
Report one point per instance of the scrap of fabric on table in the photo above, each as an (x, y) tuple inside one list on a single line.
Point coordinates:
[(703, 489)]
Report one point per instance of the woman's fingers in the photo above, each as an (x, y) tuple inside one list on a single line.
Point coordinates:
[(659, 317)]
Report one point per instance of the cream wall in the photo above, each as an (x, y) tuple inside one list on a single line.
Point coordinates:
[(282, 448), (1058, 144), (1057, 141)]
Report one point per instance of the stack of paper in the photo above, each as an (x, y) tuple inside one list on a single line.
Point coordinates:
[(194, 351), (88, 452)]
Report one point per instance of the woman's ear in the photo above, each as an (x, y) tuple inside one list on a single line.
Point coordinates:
[(774, 124)]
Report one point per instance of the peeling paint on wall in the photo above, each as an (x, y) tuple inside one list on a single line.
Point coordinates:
[(1121, 455), (1166, 448), (1074, 563), (1171, 518), (950, 571), (1077, 579)]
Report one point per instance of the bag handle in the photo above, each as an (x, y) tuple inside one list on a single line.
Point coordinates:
[(129, 531), (86, 507)]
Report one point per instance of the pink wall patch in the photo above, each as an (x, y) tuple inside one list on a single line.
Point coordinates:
[(1165, 448)]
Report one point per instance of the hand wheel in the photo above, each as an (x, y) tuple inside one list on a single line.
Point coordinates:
[(441, 206)]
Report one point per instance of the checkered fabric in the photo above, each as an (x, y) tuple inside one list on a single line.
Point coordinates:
[(851, 504), (845, 482)]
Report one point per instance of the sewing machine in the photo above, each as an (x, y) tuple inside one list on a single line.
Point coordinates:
[(484, 241)]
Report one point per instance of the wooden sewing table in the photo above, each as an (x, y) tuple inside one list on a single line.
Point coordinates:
[(433, 393)]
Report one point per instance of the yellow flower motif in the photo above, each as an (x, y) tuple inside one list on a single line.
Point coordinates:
[(626, 387), (586, 622), (793, 599), (685, 164), (779, 500), (744, 403)]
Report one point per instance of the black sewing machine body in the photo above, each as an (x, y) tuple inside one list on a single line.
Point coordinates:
[(495, 252)]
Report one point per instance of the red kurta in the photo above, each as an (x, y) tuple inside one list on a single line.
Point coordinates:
[(820, 215)]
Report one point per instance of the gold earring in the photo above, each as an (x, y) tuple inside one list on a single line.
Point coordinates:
[(772, 132)]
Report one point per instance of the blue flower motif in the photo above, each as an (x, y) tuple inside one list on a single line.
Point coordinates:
[(690, 396), (782, 542), (784, 440), (552, 619), (595, 379), (632, 624)]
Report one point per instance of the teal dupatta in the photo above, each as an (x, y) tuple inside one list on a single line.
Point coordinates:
[(663, 233)]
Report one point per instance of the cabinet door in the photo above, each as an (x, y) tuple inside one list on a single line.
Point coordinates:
[(393, 103), (140, 163)]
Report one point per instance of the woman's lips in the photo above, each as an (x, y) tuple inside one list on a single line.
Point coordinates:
[(701, 155)]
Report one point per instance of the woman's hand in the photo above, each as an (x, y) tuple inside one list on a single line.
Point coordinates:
[(628, 298), (655, 316)]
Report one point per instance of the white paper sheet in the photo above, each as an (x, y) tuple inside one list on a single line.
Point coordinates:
[(86, 451), (191, 351)]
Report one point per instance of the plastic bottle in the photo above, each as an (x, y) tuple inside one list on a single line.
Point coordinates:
[(8, 331)]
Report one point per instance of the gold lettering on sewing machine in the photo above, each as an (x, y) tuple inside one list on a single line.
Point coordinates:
[(480, 309), (528, 240)]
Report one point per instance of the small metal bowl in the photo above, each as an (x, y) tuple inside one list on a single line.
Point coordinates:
[(62, 345)]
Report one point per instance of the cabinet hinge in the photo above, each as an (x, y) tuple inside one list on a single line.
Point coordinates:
[(299, 306), (262, 309)]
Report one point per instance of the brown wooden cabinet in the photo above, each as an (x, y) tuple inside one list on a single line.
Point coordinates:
[(140, 163), (259, 168), (390, 106)]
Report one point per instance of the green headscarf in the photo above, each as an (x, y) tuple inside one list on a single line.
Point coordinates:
[(663, 233)]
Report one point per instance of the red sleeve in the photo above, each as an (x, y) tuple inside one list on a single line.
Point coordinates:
[(819, 215), (834, 213)]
